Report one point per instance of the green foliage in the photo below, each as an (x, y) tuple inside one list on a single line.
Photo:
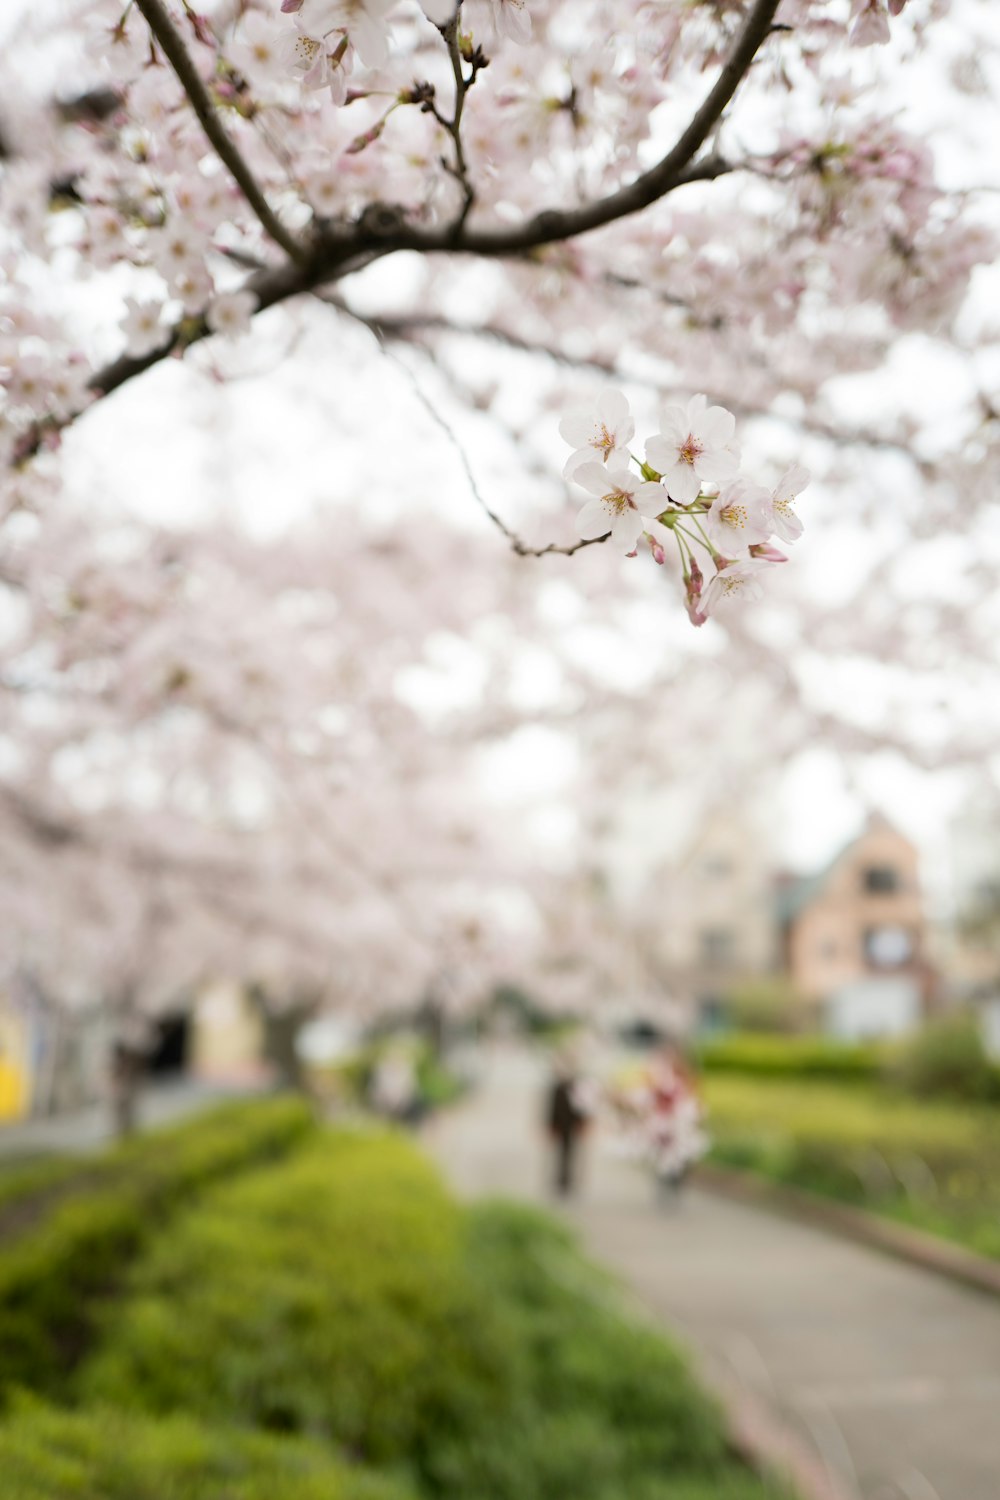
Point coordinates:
[(792, 1057), (607, 1405), (516, 1006), (947, 1059), (769, 1004), (21, 1181), (76, 1234), (437, 1085), (350, 1081), (935, 1165), (106, 1455), (345, 1296), (325, 1297)]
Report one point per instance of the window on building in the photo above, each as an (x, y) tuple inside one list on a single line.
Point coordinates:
[(888, 947), (881, 879), (718, 945)]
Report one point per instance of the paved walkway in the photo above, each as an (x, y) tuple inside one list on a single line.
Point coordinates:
[(889, 1373)]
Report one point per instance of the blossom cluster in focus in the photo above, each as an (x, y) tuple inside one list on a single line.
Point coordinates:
[(689, 490)]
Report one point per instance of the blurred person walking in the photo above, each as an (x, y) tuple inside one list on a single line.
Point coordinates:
[(674, 1135), (569, 1111)]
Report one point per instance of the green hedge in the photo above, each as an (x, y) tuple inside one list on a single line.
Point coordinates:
[(80, 1231), (793, 1057), (944, 1059), (105, 1455), (344, 1295), (931, 1163)]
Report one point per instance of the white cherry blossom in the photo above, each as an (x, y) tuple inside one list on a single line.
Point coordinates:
[(258, 48), (178, 251), (606, 431), (869, 23), (363, 21), (694, 446), (511, 19), (230, 312), (740, 515), (142, 327), (786, 523), (621, 504), (737, 583)]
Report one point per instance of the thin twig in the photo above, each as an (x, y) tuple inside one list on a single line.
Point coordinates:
[(517, 544)]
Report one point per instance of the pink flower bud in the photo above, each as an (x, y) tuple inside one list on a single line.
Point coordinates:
[(659, 556), (288, 6), (693, 581), (767, 552)]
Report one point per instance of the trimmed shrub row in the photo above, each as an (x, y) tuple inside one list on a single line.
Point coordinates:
[(474, 1354), (106, 1455), (793, 1057), (92, 1223), (945, 1059)]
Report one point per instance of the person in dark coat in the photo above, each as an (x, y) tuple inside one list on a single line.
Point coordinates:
[(567, 1120)]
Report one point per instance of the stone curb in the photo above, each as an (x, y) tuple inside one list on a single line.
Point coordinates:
[(768, 1445), (757, 1433), (913, 1245)]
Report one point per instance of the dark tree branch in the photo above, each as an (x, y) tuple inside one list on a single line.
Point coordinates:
[(381, 229), (228, 152), (673, 170)]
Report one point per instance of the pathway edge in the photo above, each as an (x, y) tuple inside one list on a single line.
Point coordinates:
[(913, 1245)]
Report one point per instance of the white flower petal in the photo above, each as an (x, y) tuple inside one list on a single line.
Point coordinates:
[(715, 427), (370, 41), (791, 483), (577, 428), (674, 425), (613, 410), (596, 478), (681, 482), (786, 524), (717, 465), (649, 498), (626, 529), (581, 456), (594, 520)]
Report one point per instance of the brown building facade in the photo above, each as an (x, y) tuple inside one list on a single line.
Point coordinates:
[(860, 921)]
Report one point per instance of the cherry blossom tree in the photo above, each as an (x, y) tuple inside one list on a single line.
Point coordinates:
[(688, 239)]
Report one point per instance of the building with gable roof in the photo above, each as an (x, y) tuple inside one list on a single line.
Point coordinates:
[(854, 937)]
